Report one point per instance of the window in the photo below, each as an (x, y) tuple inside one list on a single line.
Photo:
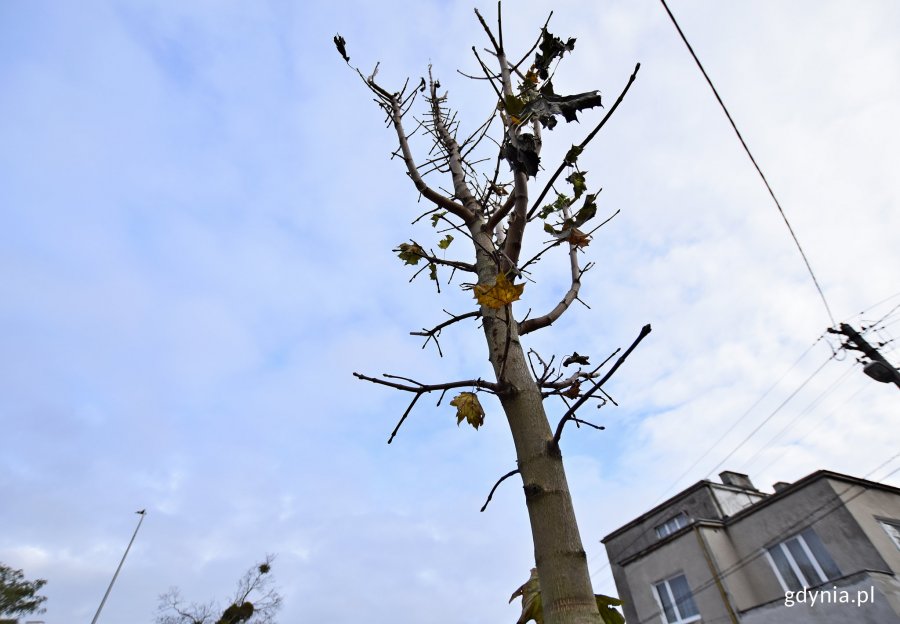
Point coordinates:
[(671, 525), (675, 601), (893, 530), (802, 561)]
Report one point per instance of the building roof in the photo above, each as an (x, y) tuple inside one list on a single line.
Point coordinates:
[(769, 498)]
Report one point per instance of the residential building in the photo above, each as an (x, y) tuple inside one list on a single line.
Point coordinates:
[(823, 549)]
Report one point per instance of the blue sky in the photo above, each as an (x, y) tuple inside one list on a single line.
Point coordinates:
[(198, 208)]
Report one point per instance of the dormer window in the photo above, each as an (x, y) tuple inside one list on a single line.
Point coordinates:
[(671, 525)]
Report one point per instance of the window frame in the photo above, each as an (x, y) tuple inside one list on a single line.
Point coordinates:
[(888, 525), (670, 595), (682, 515), (795, 566)]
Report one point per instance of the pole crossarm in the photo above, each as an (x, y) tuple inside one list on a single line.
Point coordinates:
[(859, 343)]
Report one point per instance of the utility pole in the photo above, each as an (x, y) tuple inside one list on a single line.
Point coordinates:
[(878, 368), (141, 513)]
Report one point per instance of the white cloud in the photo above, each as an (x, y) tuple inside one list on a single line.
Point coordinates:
[(198, 214)]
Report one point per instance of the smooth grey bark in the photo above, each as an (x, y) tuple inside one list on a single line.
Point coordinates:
[(567, 594)]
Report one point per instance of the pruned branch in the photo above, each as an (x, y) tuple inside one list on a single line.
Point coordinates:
[(416, 250), (533, 324), (419, 389), (570, 296), (455, 160), (496, 485), (570, 413), (536, 43), (548, 367), (435, 332), (497, 47), (501, 212), (392, 104), (579, 421)]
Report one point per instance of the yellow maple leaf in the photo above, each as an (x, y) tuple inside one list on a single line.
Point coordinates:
[(498, 294), (468, 408)]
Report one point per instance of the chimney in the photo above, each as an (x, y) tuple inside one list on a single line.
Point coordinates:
[(780, 486), (737, 479)]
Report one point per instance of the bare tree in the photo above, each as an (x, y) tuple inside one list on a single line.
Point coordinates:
[(255, 601), (493, 211)]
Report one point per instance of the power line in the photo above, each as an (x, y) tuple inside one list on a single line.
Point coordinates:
[(729, 430), (805, 411), (887, 314), (740, 418), (876, 304), (753, 160), (770, 416), (865, 384)]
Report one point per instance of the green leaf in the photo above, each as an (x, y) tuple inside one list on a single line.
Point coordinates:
[(410, 253), (570, 226), (607, 607), (445, 242), (562, 201), (587, 211), (432, 271), (572, 155), (576, 179), (513, 105), (533, 608), (436, 217)]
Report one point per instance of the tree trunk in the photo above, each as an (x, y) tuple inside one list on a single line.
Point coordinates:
[(567, 594)]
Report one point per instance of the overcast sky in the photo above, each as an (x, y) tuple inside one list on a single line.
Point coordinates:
[(198, 210)]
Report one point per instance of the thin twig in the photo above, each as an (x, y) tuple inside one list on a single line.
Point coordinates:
[(536, 43), (645, 330), (434, 332), (494, 489), (497, 47), (402, 418)]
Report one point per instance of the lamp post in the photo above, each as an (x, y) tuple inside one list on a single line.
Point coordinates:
[(141, 513)]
